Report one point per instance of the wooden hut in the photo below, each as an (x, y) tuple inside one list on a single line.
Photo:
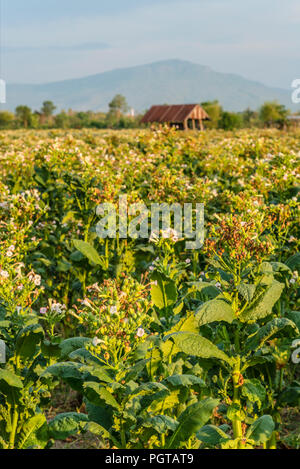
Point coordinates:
[(182, 116)]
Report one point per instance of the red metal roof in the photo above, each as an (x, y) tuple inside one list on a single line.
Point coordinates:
[(174, 113)]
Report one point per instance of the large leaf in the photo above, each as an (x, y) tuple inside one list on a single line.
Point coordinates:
[(246, 290), (66, 424), (163, 291), (34, 433), (99, 430), (183, 381), (161, 424), (88, 251), (254, 391), (191, 420), (71, 372), (9, 382), (27, 341), (272, 328), (294, 262), (261, 430), (295, 317), (99, 395), (68, 346), (186, 324), (212, 435), (198, 346), (214, 310), (263, 304), (206, 288)]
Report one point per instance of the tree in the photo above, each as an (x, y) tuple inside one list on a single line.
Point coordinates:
[(48, 109), (250, 118), (24, 116), (230, 121), (6, 119), (118, 106), (272, 113), (214, 110)]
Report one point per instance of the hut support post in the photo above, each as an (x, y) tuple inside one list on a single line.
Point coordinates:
[(201, 124)]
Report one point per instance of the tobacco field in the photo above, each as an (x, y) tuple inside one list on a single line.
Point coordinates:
[(140, 343)]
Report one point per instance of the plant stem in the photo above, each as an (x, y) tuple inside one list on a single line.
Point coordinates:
[(236, 423), (14, 428), (271, 444)]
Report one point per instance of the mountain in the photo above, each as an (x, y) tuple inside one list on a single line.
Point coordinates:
[(171, 81)]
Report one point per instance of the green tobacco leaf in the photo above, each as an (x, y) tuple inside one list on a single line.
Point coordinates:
[(183, 381), (191, 420), (9, 380), (27, 341), (68, 346), (161, 424), (261, 430), (196, 345), (262, 306), (163, 291), (71, 372), (269, 330), (294, 262), (99, 430), (212, 435), (186, 324), (99, 395), (88, 251), (206, 288), (247, 291), (295, 317), (290, 396), (214, 310), (99, 414), (66, 424), (34, 433), (254, 391)]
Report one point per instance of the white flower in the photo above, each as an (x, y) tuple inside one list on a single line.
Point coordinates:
[(43, 310), (4, 273), (292, 281), (96, 341), (151, 268), (113, 310), (218, 285), (9, 254), (37, 280), (188, 261), (171, 234), (18, 308), (140, 332), (57, 308), (20, 287), (11, 248)]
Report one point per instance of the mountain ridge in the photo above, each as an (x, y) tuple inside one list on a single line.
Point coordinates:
[(172, 81)]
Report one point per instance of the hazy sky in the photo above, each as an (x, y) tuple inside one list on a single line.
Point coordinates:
[(51, 40)]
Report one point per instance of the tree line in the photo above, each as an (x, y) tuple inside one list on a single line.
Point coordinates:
[(270, 114)]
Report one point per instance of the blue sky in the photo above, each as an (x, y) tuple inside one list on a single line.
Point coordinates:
[(51, 40)]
